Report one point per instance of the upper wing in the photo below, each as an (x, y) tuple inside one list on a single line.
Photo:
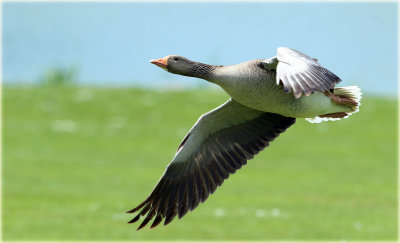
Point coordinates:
[(220, 142), (302, 74)]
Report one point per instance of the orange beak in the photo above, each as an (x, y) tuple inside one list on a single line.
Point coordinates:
[(162, 62)]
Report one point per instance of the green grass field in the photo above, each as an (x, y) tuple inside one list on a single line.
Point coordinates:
[(75, 159)]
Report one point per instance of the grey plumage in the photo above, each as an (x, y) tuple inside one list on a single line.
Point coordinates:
[(301, 74), (186, 183), (266, 100)]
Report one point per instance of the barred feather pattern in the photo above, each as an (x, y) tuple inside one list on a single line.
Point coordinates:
[(185, 184), (301, 74)]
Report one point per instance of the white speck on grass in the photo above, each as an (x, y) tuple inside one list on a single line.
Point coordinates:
[(99, 162), (94, 207), (219, 212), (242, 211), (358, 225), (119, 216), (117, 123), (119, 205), (64, 126), (275, 212), (30, 126), (148, 100), (48, 106), (261, 213), (83, 95)]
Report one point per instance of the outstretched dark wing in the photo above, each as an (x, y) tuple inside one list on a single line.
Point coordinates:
[(220, 142), (300, 73)]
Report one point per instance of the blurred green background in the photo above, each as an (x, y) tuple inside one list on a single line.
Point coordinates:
[(76, 158)]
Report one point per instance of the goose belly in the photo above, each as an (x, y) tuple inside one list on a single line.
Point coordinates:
[(256, 88), (270, 97)]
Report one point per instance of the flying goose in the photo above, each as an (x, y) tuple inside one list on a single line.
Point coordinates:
[(267, 95)]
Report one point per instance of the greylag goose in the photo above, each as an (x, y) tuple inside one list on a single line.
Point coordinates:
[(267, 95)]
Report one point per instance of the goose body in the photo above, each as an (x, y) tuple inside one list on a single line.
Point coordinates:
[(252, 85), (267, 95)]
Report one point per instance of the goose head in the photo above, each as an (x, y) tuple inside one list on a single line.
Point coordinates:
[(176, 64)]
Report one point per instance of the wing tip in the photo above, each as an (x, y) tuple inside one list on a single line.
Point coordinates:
[(156, 221), (283, 48), (144, 223), (132, 210), (135, 219)]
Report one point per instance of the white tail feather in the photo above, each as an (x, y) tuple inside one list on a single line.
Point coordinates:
[(351, 92), (318, 119)]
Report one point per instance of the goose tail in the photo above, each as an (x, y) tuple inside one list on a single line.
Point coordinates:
[(350, 96)]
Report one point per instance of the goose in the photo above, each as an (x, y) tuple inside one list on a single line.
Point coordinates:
[(267, 96)]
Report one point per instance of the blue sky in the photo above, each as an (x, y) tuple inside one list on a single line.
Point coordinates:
[(112, 43)]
